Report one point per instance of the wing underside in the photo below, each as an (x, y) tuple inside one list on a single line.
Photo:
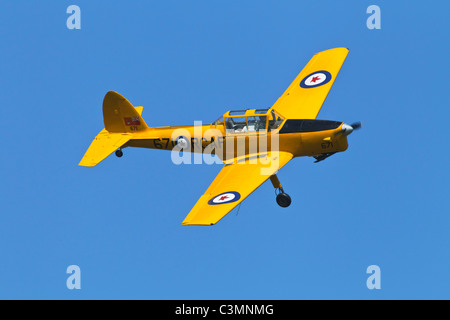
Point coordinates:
[(233, 184)]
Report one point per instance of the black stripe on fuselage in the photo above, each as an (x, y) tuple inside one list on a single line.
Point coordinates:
[(308, 125)]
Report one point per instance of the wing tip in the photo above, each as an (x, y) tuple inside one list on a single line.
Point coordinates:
[(335, 49), (86, 164), (190, 223)]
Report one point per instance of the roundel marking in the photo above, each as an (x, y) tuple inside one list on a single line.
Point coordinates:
[(226, 197), (316, 79), (182, 142)]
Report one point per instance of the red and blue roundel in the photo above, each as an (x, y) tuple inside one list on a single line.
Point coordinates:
[(226, 197), (316, 79)]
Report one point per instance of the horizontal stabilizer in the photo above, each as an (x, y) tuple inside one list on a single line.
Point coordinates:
[(103, 145)]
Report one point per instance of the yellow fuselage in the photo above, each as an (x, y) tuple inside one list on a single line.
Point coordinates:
[(214, 140)]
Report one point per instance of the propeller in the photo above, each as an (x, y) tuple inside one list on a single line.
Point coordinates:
[(356, 125), (347, 129)]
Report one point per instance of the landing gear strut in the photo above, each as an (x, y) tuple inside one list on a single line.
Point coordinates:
[(283, 199), (119, 153)]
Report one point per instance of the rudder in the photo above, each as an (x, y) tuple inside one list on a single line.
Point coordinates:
[(120, 116)]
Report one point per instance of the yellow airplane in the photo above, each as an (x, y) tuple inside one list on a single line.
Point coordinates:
[(253, 144)]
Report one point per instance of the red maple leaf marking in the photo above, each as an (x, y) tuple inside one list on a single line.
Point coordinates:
[(223, 198), (314, 79)]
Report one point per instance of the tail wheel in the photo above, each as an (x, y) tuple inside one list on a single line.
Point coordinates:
[(119, 153)]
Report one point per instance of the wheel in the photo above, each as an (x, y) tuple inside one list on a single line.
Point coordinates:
[(283, 200), (119, 153)]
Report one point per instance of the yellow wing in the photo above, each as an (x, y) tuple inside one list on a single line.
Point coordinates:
[(233, 184), (306, 94)]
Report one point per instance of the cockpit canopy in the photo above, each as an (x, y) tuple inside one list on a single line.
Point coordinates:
[(253, 120)]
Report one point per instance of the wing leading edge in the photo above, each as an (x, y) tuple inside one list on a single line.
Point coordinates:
[(233, 184), (306, 94)]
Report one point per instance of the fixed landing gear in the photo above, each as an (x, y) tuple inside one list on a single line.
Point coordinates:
[(119, 153), (283, 199)]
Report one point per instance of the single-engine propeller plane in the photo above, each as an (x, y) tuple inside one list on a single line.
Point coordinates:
[(287, 130)]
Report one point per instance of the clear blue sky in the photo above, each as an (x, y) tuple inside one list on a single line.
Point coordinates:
[(382, 202)]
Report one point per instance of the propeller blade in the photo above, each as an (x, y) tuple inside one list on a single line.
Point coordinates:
[(347, 129), (356, 125)]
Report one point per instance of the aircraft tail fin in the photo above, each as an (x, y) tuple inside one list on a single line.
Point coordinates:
[(119, 115), (121, 120)]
